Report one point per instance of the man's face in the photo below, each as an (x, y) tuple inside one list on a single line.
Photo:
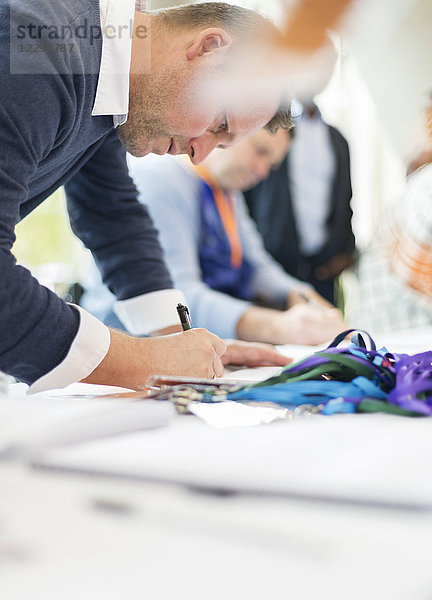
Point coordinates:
[(189, 109), (249, 162)]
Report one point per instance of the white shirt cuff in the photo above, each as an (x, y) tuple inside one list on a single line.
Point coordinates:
[(87, 351), (149, 312)]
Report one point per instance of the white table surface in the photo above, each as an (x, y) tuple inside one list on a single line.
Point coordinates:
[(70, 537), (160, 542)]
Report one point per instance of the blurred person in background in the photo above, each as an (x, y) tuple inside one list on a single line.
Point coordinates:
[(215, 254), (395, 271), (302, 209)]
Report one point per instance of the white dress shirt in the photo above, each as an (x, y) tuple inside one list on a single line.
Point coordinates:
[(311, 166), (112, 94), (145, 313)]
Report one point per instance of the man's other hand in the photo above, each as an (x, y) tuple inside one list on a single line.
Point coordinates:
[(253, 354)]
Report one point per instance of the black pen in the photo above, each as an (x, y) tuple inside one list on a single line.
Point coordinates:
[(185, 320)]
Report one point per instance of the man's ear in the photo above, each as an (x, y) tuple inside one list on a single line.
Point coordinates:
[(207, 41)]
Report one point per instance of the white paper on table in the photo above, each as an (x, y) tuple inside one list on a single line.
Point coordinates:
[(234, 414), (72, 415)]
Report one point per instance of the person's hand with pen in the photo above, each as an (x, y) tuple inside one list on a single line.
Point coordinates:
[(309, 320), (131, 360), (312, 318), (308, 324)]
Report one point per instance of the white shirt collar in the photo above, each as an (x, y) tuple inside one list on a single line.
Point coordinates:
[(112, 93)]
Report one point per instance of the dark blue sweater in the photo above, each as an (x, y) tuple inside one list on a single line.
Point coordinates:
[(48, 138)]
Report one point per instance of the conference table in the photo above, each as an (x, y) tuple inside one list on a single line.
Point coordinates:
[(88, 533)]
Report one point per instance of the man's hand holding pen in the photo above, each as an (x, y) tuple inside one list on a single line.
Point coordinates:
[(131, 360)]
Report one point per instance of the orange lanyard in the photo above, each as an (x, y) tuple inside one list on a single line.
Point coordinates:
[(227, 215)]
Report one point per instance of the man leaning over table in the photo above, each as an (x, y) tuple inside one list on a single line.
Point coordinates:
[(76, 77)]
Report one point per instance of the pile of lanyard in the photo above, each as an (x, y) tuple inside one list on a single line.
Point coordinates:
[(354, 378)]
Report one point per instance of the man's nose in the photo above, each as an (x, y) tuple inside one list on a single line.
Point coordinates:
[(200, 147)]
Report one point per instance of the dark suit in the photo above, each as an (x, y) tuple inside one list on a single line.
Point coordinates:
[(270, 205)]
